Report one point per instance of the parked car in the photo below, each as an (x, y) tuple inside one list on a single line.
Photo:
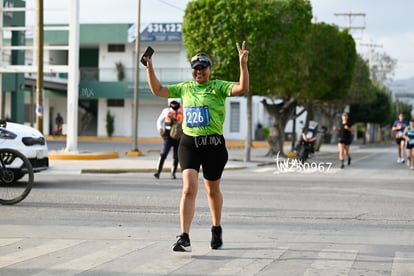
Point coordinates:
[(28, 141)]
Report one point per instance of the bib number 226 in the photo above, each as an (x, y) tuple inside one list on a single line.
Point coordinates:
[(197, 116)]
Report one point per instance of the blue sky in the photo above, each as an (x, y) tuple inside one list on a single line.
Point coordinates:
[(389, 25)]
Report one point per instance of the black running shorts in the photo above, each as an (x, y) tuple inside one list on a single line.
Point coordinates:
[(345, 141), (399, 140), (207, 151)]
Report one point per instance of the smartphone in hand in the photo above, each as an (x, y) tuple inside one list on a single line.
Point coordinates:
[(148, 53)]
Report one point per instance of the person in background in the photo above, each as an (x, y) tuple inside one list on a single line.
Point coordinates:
[(259, 133), (59, 124), (202, 143), (409, 138), (345, 131), (398, 129), (309, 138), (164, 122)]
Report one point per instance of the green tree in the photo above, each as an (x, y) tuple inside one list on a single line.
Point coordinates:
[(378, 110), (330, 57), (110, 125), (329, 70), (120, 69), (400, 107), (361, 91), (328, 63)]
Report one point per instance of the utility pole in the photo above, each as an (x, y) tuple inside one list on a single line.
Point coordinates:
[(39, 79), (135, 151), (351, 27), (351, 16), (371, 47), (2, 100)]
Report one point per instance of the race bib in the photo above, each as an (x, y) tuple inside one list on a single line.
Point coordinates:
[(399, 134), (197, 116), (411, 142)]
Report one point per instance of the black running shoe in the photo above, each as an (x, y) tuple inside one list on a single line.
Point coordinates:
[(349, 161), (216, 239), (182, 244)]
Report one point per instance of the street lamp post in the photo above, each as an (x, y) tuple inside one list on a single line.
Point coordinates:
[(39, 79), (73, 78), (135, 151)]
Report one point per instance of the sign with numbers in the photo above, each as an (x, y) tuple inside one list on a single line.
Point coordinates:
[(157, 32)]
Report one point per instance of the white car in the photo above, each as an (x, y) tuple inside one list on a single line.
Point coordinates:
[(28, 141)]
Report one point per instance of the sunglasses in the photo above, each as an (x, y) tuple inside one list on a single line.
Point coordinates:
[(200, 58)]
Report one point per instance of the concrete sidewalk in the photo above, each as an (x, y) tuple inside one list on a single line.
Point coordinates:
[(124, 162), (63, 155), (147, 162), (121, 163)]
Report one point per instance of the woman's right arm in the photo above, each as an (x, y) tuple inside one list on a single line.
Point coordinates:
[(154, 84)]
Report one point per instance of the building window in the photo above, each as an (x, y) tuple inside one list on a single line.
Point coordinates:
[(116, 47), (115, 102), (234, 117)]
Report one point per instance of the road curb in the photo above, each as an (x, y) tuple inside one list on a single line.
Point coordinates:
[(83, 156), (110, 155)]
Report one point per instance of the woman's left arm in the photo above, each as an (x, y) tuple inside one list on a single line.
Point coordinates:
[(405, 136), (243, 85)]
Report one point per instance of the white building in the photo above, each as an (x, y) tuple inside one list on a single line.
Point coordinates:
[(106, 65)]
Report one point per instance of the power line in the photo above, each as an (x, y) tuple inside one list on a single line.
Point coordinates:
[(371, 45), (350, 16), (171, 5)]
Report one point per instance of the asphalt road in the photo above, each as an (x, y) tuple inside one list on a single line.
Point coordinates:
[(277, 220)]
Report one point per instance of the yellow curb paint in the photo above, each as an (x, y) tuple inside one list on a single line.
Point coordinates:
[(83, 156), (133, 153)]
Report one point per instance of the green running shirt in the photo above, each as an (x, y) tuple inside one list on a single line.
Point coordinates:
[(204, 105)]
